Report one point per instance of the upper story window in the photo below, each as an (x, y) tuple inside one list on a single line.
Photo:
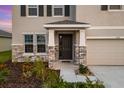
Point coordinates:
[(50, 10), (58, 10), (115, 7), (28, 43), (112, 7), (32, 10)]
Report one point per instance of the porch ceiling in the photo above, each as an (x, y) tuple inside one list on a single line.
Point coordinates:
[(67, 24)]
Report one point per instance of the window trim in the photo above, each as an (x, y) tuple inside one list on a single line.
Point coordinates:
[(63, 8), (27, 9), (41, 44), (115, 10)]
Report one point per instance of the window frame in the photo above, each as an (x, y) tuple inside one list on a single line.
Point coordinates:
[(121, 9), (63, 11), (28, 44), (27, 9), (41, 44)]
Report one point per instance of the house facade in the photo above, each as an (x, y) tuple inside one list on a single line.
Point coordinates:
[(81, 34)]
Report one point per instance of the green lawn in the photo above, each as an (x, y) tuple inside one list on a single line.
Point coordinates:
[(4, 56)]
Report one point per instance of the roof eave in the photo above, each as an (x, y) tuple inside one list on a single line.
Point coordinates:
[(67, 26), (6, 36)]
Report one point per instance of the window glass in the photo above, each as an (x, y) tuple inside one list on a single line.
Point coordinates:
[(28, 43), (58, 10), (28, 48), (32, 10), (28, 38), (115, 7), (41, 39), (41, 47)]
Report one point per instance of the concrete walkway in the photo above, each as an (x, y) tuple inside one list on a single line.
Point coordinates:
[(67, 72), (112, 76)]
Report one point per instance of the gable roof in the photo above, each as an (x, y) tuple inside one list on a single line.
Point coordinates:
[(5, 34), (67, 22)]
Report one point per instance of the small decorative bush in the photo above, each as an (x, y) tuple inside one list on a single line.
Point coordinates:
[(26, 70), (93, 84), (84, 70), (39, 69), (2, 66), (3, 74), (52, 78)]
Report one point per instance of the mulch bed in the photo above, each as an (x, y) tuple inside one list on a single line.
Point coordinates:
[(15, 79)]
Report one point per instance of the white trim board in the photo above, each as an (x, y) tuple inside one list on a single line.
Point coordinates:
[(17, 44), (43, 32), (109, 37), (66, 25), (106, 27)]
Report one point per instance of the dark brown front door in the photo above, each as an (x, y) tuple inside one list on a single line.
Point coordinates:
[(65, 46)]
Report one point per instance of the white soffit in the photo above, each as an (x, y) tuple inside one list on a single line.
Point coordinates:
[(67, 26)]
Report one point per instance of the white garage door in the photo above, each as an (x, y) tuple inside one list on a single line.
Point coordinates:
[(105, 52)]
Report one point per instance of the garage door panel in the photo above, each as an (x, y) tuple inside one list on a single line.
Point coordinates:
[(105, 52)]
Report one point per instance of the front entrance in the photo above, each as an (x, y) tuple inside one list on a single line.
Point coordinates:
[(65, 46)]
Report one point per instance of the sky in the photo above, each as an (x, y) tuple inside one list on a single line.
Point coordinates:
[(6, 17)]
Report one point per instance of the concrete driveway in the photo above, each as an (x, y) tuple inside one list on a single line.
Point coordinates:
[(112, 76)]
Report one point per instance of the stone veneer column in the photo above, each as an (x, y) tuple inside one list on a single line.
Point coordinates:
[(82, 47), (51, 48)]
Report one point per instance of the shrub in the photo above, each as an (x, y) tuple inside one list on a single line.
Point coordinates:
[(2, 65), (3, 74), (93, 84), (26, 69), (83, 69), (39, 69), (87, 84), (52, 78)]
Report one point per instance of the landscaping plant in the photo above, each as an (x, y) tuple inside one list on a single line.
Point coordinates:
[(39, 69), (26, 69), (52, 78), (83, 69), (3, 74)]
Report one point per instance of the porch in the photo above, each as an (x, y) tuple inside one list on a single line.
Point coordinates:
[(66, 42)]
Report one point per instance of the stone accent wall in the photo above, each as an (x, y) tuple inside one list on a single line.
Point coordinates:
[(51, 55), (56, 53), (76, 54), (18, 54), (80, 54)]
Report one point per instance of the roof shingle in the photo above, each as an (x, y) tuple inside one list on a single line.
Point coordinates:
[(67, 22)]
